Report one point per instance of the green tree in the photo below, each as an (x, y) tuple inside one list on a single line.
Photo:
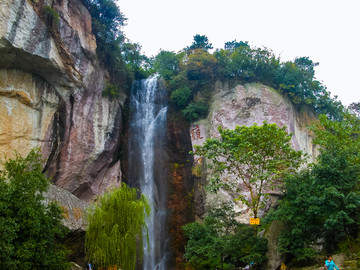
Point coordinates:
[(181, 96), (200, 42), (323, 202), (232, 45), (135, 61), (114, 226), (220, 242), (355, 108), (200, 66), (195, 110), (30, 230), (107, 21), (257, 156), (167, 64)]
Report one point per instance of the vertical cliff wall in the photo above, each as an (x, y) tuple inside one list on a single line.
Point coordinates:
[(247, 104), (51, 94)]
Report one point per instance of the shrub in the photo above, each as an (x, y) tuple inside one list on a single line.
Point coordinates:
[(196, 110), (181, 96)]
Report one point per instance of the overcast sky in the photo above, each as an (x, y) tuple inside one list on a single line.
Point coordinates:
[(327, 31)]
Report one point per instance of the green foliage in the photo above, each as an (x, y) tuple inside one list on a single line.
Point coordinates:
[(135, 61), (30, 230), (200, 42), (355, 108), (167, 64), (323, 202), (196, 68), (181, 96), (196, 110), (52, 14), (232, 45), (257, 156), (123, 60), (200, 66), (220, 242), (114, 226), (110, 91)]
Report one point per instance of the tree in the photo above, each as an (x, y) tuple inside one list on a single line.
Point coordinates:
[(115, 223), (196, 110), (200, 42), (257, 156), (338, 172), (220, 242), (355, 108), (30, 230), (323, 201), (135, 61), (167, 64), (181, 96), (200, 66), (232, 45)]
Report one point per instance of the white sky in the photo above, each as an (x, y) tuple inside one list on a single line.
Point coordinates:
[(327, 31)]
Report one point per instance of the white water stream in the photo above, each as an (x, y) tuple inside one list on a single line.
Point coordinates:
[(148, 110)]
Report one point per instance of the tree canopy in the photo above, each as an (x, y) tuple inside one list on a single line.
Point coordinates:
[(30, 230), (200, 42), (323, 201), (115, 223), (258, 157)]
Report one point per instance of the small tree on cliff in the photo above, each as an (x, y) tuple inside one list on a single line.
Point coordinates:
[(30, 230), (257, 156), (114, 226)]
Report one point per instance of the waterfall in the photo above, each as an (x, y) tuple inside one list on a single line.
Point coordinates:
[(146, 170)]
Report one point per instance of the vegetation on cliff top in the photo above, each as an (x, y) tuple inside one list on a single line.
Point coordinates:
[(197, 69), (122, 58)]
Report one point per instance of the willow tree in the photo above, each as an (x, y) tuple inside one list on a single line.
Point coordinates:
[(115, 224), (257, 157)]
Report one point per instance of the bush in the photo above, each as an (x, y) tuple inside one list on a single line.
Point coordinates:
[(195, 110), (220, 242), (181, 96)]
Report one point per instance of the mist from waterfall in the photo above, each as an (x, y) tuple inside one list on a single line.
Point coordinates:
[(148, 111)]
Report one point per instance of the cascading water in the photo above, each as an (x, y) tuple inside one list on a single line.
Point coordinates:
[(148, 110)]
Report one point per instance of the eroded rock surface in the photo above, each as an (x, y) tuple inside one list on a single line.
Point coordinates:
[(51, 95)]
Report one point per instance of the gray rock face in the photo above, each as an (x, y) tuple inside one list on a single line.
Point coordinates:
[(51, 95), (74, 212), (73, 208), (245, 105)]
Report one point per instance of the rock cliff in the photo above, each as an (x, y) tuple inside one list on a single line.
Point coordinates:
[(51, 94), (247, 104)]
